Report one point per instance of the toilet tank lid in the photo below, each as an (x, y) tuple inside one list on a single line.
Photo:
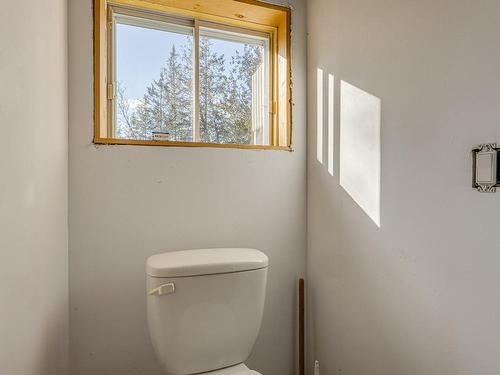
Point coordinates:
[(205, 262)]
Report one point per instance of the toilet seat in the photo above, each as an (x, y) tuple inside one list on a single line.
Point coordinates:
[(240, 369)]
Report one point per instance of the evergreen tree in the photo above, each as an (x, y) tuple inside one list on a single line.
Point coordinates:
[(167, 104), (152, 112), (213, 84), (244, 66), (225, 98), (178, 98)]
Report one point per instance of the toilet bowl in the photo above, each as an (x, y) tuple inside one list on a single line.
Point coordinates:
[(205, 309), (233, 370)]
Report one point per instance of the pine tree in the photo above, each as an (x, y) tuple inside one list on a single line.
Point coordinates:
[(225, 98), (244, 66), (167, 104), (213, 85), (178, 98), (151, 113)]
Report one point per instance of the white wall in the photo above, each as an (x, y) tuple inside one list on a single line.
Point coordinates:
[(33, 188), (129, 202), (419, 295)]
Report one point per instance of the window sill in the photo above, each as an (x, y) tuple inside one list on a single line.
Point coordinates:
[(133, 142)]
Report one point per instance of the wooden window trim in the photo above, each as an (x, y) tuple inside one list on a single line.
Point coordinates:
[(277, 27)]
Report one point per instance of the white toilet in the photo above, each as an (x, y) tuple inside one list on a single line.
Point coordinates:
[(205, 309)]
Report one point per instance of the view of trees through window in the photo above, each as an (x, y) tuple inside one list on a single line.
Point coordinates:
[(154, 87)]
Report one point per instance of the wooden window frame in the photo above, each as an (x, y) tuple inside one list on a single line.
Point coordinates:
[(252, 19)]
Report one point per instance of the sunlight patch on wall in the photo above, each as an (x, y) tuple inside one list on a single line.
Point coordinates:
[(319, 115), (360, 148), (331, 121)]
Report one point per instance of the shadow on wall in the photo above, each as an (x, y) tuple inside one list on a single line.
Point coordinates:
[(359, 144)]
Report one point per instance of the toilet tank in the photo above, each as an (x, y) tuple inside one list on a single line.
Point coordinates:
[(205, 307)]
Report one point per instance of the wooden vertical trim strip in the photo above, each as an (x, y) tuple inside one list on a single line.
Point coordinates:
[(110, 73), (289, 76), (97, 66), (275, 89), (100, 70)]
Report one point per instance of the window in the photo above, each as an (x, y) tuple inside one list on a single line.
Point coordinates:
[(204, 73)]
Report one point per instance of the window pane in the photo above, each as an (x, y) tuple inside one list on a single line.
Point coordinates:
[(153, 75), (234, 88)]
